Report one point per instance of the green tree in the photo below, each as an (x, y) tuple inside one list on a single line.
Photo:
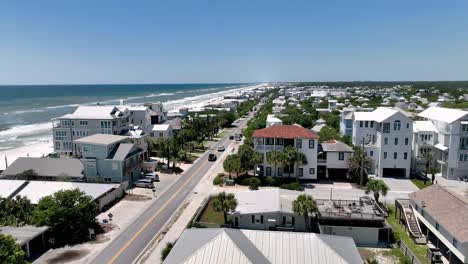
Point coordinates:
[(305, 206), (254, 183), (225, 203), (16, 211), (257, 158), (301, 160), (428, 158), (274, 157), (289, 158), (360, 161), (329, 133), (10, 252), (167, 249), (377, 187), (69, 212), (246, 154)]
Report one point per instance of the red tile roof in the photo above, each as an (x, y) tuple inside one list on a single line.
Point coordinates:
[(285, 131)]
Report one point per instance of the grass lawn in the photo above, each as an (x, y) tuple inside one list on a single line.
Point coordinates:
[(209, 215), (222, 134), (418, 250), (420, 183)]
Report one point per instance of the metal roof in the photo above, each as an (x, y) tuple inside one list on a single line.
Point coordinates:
[(336, 146), (23, 234), (447, 115), (123, 151), (424, 126), (101, 139), (8, 187), (262, 201), (49, 167), (95, 112), (219, 245)]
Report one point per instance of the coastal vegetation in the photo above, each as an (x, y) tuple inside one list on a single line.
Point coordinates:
[(305, 206), (225, 203), (10, 252)]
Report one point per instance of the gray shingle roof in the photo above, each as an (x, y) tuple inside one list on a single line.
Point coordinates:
[(46, 167), (219, 245)]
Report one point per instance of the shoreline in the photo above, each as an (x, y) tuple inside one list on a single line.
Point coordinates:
[(45, 147)]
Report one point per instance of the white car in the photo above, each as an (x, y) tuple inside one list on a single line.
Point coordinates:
[(144, 183), (221, 148), (152, 176)]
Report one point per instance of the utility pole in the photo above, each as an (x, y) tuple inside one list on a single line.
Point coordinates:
[(361, 178)]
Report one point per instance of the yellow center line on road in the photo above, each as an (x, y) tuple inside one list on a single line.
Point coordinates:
[(154, 215)]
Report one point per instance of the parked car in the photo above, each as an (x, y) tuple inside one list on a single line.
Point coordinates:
[(212, 157), (151, 175), (144, 183), (231, 137), (221, 148)]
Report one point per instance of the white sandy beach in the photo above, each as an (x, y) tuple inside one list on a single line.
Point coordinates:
[(45, 147)]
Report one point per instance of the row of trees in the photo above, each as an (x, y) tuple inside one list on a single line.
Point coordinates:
[(69, 212), (289, 158)]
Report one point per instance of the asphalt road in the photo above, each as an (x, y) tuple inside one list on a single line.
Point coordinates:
[(126, 247)]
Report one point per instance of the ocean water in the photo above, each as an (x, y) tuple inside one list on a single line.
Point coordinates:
[(26, 111)]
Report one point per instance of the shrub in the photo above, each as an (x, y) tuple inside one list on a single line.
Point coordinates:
[(243, 180), (254, 183), (167, 249), (269, 181), (295, 186), (218, 180)]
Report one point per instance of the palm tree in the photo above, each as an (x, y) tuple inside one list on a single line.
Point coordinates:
[(360, 161), (428, 158), (289, 158), (228, 164), (225, 203), (274, 157), (305, 205), (377, 187), (257, 158)]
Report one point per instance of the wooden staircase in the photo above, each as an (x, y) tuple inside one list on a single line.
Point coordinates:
[(411, 222)]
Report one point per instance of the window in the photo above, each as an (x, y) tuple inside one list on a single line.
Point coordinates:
[(261, 219), (280, 171), (371, 123), (312, 171), (395, 155), (406, 141), (107, 179), (396, 141), (371, 153), (300, 172), (161, 134), (293, 220), (405, 155), (270, 141), (366, 124), (311, 143), (385, 155), (386, 128), (83, 122), (341, 156), (284, 220), (360, 123), (464, 143), (253, 219), (268, 171), (57, 145), (464, 127), (396, 125), (299, 143), (407, 125), (385, 141)]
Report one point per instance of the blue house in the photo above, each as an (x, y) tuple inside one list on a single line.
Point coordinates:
[(110, 158)]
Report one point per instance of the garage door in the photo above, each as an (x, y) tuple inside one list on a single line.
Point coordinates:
[(392, 172), (337, 174)]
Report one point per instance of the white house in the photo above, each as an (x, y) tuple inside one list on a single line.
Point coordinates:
[(424, 140), (387, 136), (280, 136), (450, 145), (332, 161), (272, 120), (161, 131)]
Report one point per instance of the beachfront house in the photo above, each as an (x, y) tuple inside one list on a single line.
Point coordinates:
[(387, 135), (110, 158), (161, 131), (449, 143), (87, 121), (44, 169), (277, 138)]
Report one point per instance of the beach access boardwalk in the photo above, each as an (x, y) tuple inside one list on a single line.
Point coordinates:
[(130, 243)]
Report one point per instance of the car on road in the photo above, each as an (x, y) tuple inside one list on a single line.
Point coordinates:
[(144, 183), (231, 137), (212, 157), (221, 148), (152, 176)]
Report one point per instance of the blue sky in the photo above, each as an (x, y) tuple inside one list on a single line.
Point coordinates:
[(58, 42)]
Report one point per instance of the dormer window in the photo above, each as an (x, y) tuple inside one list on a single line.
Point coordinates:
[(397, 125)]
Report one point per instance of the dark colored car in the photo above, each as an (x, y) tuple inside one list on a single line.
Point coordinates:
[(231, 137), (212, 157)]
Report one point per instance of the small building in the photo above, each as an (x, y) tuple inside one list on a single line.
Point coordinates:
[(46, 169), (223, 245), (443, 215), (32, 239), (332, 161), (272, 120), (161, 131)]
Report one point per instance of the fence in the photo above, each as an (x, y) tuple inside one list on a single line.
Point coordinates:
[(409, 254)]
